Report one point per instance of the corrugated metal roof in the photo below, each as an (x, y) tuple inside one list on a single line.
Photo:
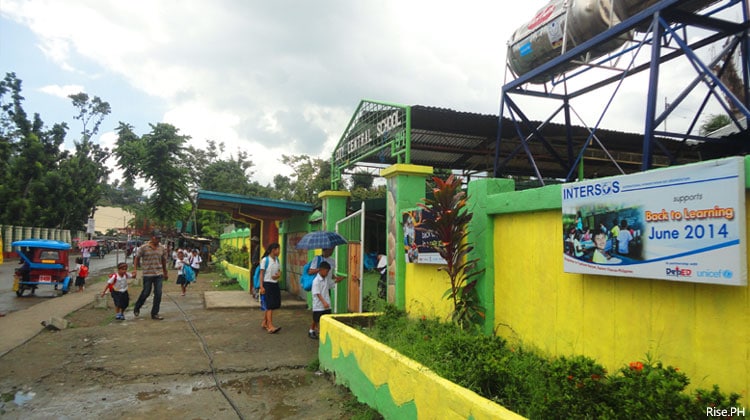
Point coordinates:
[(729, 129), (449, 139)]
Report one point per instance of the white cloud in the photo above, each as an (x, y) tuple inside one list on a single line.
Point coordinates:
[(62, 91), (284, 77)]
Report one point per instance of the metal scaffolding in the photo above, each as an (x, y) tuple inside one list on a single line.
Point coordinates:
[(659, 34)]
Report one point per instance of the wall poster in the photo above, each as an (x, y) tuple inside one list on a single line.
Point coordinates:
[(685, 223), (416, 241)]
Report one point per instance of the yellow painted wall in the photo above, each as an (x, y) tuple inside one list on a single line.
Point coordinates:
[(240, 273), (425, 286), (701, 329)]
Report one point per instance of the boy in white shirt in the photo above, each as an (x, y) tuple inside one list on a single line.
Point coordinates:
[(321, 296)]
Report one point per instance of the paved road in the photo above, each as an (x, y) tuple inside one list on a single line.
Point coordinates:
[(9, 302)]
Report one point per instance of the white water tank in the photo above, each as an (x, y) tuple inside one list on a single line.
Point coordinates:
[(572, 23), (542, 39)]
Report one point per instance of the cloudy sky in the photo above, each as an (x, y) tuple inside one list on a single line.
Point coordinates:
[(266, 77)]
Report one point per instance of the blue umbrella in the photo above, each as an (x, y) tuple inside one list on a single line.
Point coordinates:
[(321, 240)]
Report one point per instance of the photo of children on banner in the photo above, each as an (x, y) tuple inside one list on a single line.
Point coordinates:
[(614, 240)]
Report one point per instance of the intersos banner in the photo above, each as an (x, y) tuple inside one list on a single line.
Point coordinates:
[(684, 224)]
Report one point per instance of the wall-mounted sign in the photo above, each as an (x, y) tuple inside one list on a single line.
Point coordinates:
[(685, 223), (416, 241)]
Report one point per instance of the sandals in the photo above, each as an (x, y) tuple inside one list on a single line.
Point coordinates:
[(274, 331)]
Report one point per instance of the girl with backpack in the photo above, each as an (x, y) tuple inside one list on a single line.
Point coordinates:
[(270, 273), (181, 263)]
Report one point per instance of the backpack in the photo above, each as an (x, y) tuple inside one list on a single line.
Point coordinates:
[(256, 274), (306, 280), (188, 273), (111, 286)]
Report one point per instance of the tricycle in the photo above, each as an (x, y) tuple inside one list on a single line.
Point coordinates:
[(43, 262)]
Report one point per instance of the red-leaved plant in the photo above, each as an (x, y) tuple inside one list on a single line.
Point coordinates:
[(448, 219)]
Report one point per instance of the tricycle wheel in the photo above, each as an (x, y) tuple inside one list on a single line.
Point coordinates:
[(20, 290)]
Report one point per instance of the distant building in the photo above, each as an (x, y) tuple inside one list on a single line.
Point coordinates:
[(107, 218)]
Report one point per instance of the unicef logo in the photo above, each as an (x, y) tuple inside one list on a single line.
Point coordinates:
[(727, 274)]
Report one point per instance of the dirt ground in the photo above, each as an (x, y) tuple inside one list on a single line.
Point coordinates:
[(195, 364)]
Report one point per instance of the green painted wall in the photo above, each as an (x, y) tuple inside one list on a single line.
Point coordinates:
[(334, 209), (406, 188), (396, 386), (482, 232)]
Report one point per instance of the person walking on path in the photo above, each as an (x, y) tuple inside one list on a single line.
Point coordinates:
[(117, 284), (150, 257), (270, 273), (180, 263), (195, 262)]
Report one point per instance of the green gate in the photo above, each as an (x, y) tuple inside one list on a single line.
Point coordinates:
[(350, 259)]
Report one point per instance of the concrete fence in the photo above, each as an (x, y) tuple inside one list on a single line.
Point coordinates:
[(12, 233)]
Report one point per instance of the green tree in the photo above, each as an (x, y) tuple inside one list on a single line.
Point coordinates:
[(310, 177), (157, 157), (38, 183), (714, 122), (91, 113), (362, 186), (86, 170), (360, 193), (229, 176), (122, 194), (83, 176), (362, 179), (232, 175)]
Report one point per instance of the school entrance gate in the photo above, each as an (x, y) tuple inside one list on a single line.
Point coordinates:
[(350, 259)]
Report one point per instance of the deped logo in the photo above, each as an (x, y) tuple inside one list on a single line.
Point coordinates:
[(679, 272)]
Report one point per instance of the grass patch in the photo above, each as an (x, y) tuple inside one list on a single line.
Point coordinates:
[(313, 365), (107, 320), (224, 283)]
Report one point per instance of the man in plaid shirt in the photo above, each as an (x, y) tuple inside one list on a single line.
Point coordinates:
[(151, 257)]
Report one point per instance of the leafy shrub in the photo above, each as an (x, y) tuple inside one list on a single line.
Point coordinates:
[(575, 384), (649, 387), (232, 255), (538, 387)]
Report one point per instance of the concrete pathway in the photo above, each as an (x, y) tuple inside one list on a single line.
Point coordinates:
[(21, 326)]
